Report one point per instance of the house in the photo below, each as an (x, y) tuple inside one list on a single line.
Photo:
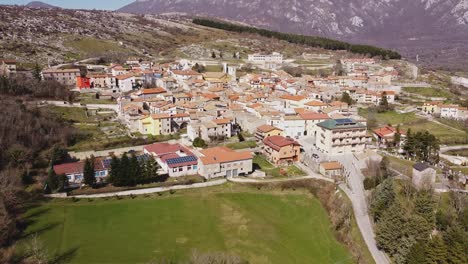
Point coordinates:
[(216, 77), (125, 82), (267, 131), (66, 77), (83, 82), (216, 129), (311, 120), (386, 135), (155, 124), (175, 160), (449, 111), (331, 169), (281, 150), (151, 92), (75, 170), (224, 162), (423, 176), (432, 107), (292, 125), (339, 136)]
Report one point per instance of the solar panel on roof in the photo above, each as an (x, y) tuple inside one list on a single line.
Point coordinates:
[(344, 121), (181, 160)]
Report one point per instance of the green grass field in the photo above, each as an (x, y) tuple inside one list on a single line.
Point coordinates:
[(429, 92), (259, 226), (93, 46), (446, 135)]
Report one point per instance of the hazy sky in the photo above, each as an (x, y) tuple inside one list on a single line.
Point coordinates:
[(83, 4)]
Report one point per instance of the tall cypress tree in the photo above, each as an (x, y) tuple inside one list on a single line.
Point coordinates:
[(437, 251), (134, 171), (124, 171), (89, 175), (114, 174), (390, 229)]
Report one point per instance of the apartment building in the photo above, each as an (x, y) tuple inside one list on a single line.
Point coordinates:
[(340, 136), (223, 162), (274, 57), (281, 150), (66, 77), (155, 124)]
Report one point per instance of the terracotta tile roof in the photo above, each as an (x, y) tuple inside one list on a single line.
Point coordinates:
[(315, 103), (223, 155), (160, 116), (222, 121), (385, 131), (332, 165), (277, 142), (313, 116), (267, 128), (293, 97), (157, 90)]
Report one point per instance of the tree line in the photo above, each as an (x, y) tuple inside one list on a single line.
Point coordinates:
[(422, 146), (312, 41), (129, 171)]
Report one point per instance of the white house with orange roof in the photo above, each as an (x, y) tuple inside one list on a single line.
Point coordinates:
[(223, 162)]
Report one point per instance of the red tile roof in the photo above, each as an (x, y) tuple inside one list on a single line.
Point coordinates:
[(277, 142), (223, 155), (313, 116)]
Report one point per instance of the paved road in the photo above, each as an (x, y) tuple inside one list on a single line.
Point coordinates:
[(114, 107), (355, 191)]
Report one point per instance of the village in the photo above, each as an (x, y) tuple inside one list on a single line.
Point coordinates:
[(230, 125)]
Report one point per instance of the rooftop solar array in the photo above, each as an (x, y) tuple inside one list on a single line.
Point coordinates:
[(181, 160)]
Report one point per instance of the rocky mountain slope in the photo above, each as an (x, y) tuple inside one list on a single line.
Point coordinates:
[(426, 28)]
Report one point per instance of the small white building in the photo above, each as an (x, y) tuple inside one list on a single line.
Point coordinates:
[(423, 176), (275, 57)]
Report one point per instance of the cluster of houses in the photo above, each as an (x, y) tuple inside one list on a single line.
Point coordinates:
[(275, 107), (455, 112)]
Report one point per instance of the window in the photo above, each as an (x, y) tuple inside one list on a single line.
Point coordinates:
[(174, 170), (194, 167), (181, 169)]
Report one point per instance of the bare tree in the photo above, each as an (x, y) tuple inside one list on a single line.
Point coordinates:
[(36, 251)]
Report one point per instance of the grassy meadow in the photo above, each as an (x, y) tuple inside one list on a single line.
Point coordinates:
[(260, 226)]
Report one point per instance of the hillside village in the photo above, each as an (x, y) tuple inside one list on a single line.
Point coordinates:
[(269, 113), (108, 106)]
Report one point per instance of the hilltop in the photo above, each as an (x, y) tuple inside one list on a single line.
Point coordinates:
[(39, 4)]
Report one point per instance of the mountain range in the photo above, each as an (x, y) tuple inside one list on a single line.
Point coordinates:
[(436, 31)]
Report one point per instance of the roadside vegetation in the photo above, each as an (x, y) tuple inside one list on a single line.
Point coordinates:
[(261, 163)]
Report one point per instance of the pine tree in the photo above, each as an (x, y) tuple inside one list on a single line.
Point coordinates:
[(384, 106), (134, 175), (37, 73), (390, 228), (346, 98), (124, 171), (397, 136), (213, 55), (383, 198), (114, 173), (52, 180), (424, 206), (437, 251), (456, 238), (417, 254), (89, 175)]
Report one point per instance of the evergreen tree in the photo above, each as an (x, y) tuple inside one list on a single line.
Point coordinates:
[(346, 98), (424, 206), (37, 73), (383, 198), (52, 180), (384, 106), (417, 254), (457, 240), (124, 171), (397, 136), (134, 171), (437, 251), (409, 146), (89, 175), (114, 173), (213, 55), (390, 229)]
